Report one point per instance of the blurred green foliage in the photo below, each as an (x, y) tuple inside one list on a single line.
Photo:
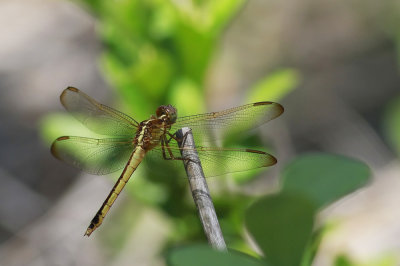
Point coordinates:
[(156, 50), (282, 224)]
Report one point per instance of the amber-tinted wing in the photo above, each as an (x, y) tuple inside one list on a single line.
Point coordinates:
[(219, 161), (215, 125), (94, 156), (97, 117)]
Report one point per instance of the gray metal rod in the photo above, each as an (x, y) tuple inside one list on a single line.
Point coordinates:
[(199, 188)]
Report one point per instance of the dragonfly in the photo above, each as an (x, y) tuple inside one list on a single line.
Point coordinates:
[(128, 141)]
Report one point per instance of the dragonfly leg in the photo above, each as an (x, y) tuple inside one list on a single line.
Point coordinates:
[(163, 148), (165, 142), (176, 138)]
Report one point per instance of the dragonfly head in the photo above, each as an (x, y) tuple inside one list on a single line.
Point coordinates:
[(167, 113)]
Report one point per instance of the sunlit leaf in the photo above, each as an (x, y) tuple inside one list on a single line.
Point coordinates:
[(163, 25), (221, 12), (274, 86)]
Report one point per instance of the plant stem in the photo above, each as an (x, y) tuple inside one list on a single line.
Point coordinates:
[(199, 189)]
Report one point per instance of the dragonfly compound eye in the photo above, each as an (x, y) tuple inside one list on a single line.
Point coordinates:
[(169, 111), (160, 110)]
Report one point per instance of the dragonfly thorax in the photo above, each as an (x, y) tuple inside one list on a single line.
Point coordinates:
[(150, 132)]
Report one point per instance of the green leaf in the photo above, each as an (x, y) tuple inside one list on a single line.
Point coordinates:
[(315, 242), (392, 123), (324, 178), (201, 255), (275, 86), (281, 225)]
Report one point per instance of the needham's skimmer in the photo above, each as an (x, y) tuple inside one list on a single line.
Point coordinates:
[(129, 140)]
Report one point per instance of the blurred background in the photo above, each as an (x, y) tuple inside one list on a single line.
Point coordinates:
[(333, 65)]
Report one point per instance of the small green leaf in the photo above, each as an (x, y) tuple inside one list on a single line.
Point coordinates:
[(221, 12), (281, 225), (315, 242), (343, 260), (324, 178), (275, 86), (201, 255)]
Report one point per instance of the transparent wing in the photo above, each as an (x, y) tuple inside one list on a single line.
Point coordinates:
[(97, 117), (94, 156), (216, 125), (219, 161)]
